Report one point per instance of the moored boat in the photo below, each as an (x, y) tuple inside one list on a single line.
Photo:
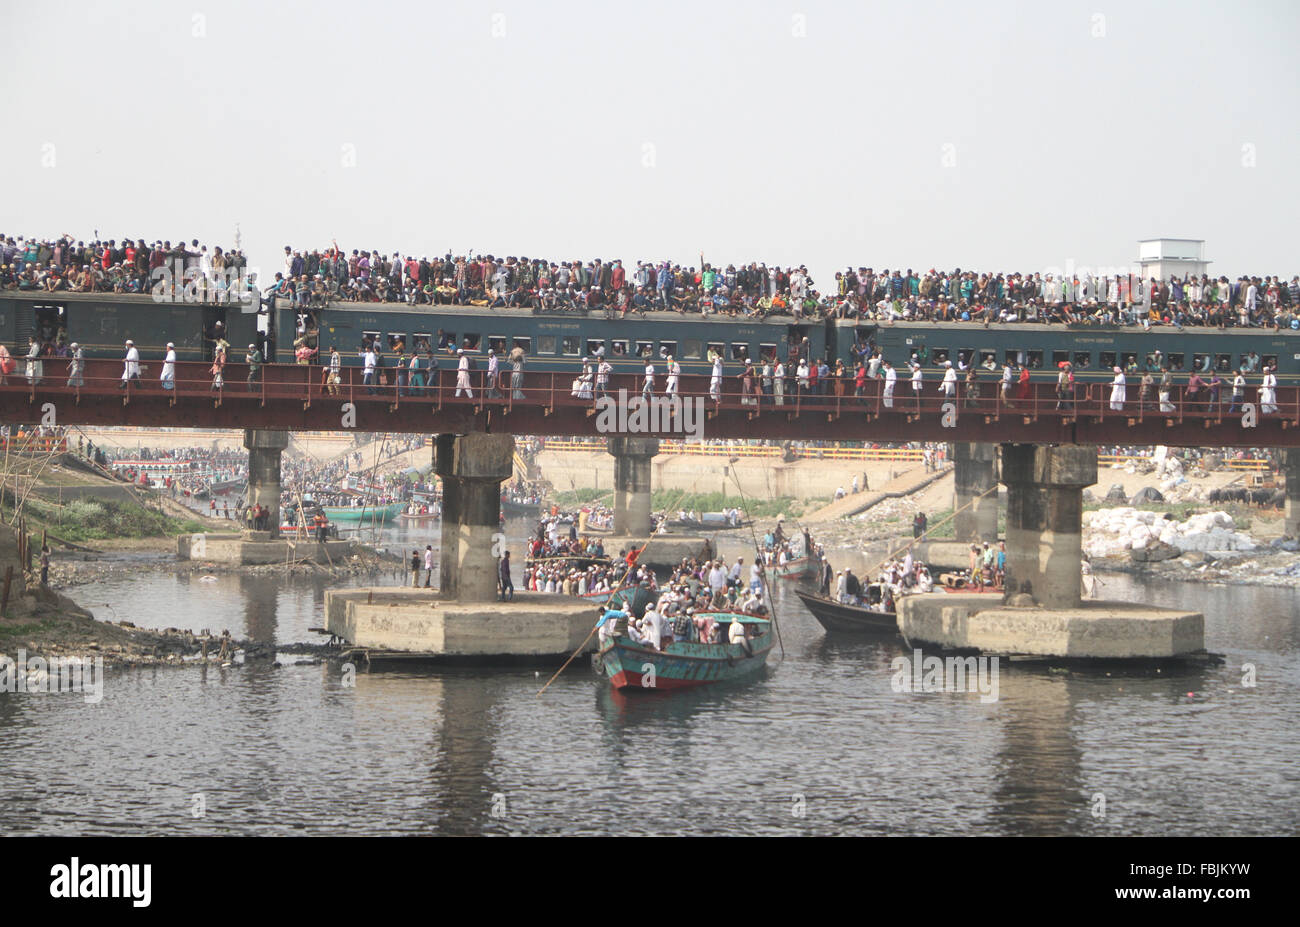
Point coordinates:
[(367, 513), (836, 616), (687, 664), (797, 568)]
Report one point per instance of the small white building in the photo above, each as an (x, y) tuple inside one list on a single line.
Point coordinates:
[(1163, 258)]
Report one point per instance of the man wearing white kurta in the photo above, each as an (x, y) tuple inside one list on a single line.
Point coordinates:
[(715, 382), (131, 366), (462, 375), (168, 375), (494, 368), (891, 380), (674, 373), (778, 383), (1118, 390), (949, 385), (1268, 392), (649, 388)]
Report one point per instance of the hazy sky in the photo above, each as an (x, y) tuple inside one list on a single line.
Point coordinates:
[(992, 135)]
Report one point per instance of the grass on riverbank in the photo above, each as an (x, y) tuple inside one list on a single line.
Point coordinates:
[(661, 499), (98, 520)]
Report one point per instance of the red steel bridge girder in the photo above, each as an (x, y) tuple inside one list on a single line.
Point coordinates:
[(289, 397)]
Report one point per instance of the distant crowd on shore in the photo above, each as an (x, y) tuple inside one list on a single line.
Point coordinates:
[(315, 278)]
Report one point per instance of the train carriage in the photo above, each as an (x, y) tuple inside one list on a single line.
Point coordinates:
[(1093, 351)]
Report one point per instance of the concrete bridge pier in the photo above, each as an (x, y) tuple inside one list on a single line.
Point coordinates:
[(1045, 519), (632, 507), (974, 474), (472, 468), (264, 451), (1291, 470)]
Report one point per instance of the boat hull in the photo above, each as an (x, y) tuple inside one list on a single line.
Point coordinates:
[(367, 514), (797, 569), (835, 616), (684, 665)]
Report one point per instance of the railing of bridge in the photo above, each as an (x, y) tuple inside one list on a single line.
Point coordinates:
[(697, 449), (547, 392), (33, 444)]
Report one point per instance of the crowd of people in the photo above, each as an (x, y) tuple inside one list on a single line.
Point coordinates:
[(317, 277)]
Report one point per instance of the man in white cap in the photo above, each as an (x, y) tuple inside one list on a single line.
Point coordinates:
[(131, 365), (949, 385), (76, 366), (462, 375), (168, 375), (493, 371)]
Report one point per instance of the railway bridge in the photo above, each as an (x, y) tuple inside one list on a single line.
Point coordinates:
[(1047, 457)]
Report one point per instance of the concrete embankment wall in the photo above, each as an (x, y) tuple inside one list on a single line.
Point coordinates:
[(760, 477)]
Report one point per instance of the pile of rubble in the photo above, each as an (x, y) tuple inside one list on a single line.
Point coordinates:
[(1116, 532)]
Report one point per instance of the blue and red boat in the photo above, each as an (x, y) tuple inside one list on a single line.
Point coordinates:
[(686, 664)]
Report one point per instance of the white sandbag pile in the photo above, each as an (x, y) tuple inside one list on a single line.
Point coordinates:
[(1113, 532)]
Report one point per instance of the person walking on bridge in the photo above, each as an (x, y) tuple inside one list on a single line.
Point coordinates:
[(76, 367), (168, 375), (130, 365), (1118, 391), (462, 375), (254, 360)]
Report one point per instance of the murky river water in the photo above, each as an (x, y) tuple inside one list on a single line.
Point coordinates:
[(820, 744)]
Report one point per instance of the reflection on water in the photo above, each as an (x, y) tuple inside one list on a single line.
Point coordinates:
[(819, 743)]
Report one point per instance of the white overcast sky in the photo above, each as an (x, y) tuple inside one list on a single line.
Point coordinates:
[(989, 135)]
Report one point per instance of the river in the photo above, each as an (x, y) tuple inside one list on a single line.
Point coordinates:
[(820, 744)]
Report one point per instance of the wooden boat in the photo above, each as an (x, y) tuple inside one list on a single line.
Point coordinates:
[(687, 664), (836, 616), (633, 599), (512, 509), (797, 568), (420, 517), (366, 514)]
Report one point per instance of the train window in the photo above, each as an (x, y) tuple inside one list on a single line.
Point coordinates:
[(1244, 363), (523, 344), (1176, 361), (545, 344), (1222, 362), (571, 345), (767, 352), (619, 347), (1059, 358), (939, 355), (1130, 360), (988, 359), (1016, 357), (1083, 359), (739, 351), (668, 349), (446, 340), (496, 343), (369, 339), (1035, 360), (421, 341), (692, 348), (645, 348), (716, 347), (49, 322), (1269, 361), (396, 341), (1201, 363), (471, 342), (964, 356), (594, 346), (1108, 360)]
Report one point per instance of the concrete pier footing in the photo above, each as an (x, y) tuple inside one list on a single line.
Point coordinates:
[(1045, 519), (662, 551), (251, 548), (418, 623), (472, 468), (1089, 630), (264, 451), (976, 507), (632, 489)]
